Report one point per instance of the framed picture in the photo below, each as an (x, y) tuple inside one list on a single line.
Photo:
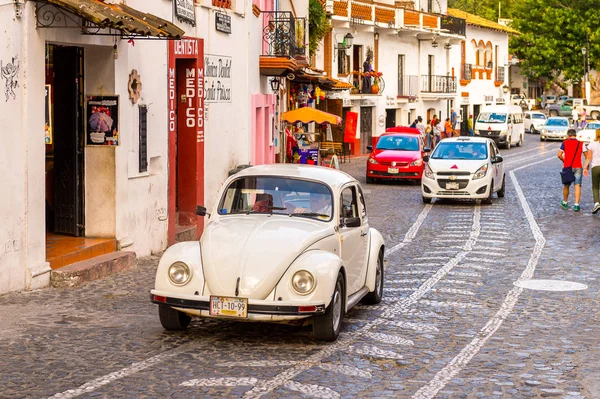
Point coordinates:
[(102, 120)]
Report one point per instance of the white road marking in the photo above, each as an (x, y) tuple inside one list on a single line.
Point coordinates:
[(422, 327), (258, 363), (346, 370), (451, 235), (402, 289), (454, 240), (492, 241), (411, 272), (390, 339), (462, 282), (220, 382), (315, 391), (472, 266), (495, 249), (483, 260), (464, 274), (450, 304), (421, 264), (373, 351), (453, 291), (412, 232), (409, 280), (442, 251), (455, 366), (431, 258), (513, 154)]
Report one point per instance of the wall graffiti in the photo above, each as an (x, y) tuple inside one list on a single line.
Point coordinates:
[(10, 73)]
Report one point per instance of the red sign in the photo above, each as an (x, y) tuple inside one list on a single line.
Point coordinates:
[(350, 128)]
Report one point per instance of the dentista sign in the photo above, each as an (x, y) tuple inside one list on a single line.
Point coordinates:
[(217, 78)]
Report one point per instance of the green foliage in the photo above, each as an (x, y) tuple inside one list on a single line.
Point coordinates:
[(488, 9), (318, 25), (553, 33)]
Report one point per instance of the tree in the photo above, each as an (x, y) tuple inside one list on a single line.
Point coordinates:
[(553, 33), (488, 9), (318, 25)]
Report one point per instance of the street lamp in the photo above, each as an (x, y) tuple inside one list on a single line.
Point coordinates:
[(505, 89), (586, 60)]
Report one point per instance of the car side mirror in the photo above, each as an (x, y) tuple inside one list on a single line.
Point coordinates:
[(201, 211), (426, 158), (370, 148), (498, 159), (351, 222)]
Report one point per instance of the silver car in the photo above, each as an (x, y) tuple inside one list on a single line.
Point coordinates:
[(534, 121), (555, 128)]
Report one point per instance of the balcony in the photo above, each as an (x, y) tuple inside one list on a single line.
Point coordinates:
[(438, 84), (408, 86), (453, 25), (283, 43)]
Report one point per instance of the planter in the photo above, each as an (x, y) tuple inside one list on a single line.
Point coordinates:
[(375, 89)]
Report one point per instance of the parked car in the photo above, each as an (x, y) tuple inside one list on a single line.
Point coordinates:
[(555, 128), (547, 99), (565, 108), (562, 99), (533, 121), (398, 155), (588, 133), (283, 243), (522, 101), (464, 167), (501, 123)]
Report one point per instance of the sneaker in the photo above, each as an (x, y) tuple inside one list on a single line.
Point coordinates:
[(596, 208), (576, 207), (564, 205)]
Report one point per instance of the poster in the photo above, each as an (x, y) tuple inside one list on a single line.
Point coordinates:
[(48, 113), (102, 127), (350, 128)]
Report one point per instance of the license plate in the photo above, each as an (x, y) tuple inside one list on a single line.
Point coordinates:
[(392, 170), (227, 306), (452, 185)]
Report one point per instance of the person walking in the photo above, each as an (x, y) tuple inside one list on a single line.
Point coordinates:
[(436, 127), (575, 117), (570, 153), (453, 119), (583, 118), (470, 125), (428, 134), (592, 161), (448, 131)]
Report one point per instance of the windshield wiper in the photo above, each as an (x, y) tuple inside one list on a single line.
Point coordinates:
[(309, 214)]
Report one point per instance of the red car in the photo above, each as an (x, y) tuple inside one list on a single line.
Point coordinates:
[(398, 155)]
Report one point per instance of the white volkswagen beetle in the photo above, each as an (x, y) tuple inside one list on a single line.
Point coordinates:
[(284, 242)]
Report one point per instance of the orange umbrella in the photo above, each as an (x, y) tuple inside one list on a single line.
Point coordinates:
[(308, 114)]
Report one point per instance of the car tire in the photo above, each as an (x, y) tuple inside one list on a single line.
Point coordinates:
[(507, 145), (488, 200), (520, 142), (172, 319), (327, 327), (503, 188), (426, 200), (370, 180), (533, 131), (374, 297)]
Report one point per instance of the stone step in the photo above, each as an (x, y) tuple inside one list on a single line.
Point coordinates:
[(78, 273)]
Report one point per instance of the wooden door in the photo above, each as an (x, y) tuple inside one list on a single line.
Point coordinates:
[(366, 128)]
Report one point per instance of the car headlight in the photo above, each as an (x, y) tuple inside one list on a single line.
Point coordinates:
[(179, 273), (503, 133), (428, 172), (481, 172), (303, 282), (373, 161), (418, 162), (544, 131)]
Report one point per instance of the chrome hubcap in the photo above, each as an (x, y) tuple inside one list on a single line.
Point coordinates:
[(378, 277), (337, 309)]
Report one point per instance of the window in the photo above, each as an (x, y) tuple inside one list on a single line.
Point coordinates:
[(349, 205), (362, 201), (343, 63), (143, 140)]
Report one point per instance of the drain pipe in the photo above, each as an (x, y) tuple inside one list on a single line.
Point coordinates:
[(47, 269)]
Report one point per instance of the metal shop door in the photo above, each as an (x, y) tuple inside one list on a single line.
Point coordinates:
[(366, 128)]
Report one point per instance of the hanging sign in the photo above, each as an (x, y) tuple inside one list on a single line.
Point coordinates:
[(185, 11), (217, 78), (223, 23), (350, 128), (102, 113)]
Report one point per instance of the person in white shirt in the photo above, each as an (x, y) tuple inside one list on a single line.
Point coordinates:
[(575, 115), (592, 160)]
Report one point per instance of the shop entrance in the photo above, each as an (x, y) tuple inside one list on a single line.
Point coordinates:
[(366, 128)]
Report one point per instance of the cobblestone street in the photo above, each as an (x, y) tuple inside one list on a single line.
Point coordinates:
[(452, 324)]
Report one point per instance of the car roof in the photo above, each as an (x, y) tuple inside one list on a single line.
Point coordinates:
[(402, 129), (332, 177), (466, 139)]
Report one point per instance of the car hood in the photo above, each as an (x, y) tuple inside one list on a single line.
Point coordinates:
[(455, 165), (255, 249), (555, 128), (396, 155)]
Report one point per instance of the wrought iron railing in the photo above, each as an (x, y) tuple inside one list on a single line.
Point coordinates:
[(467, 73), (408, 86), (283, 34), (500, 74), (438, 84), (457, 26)]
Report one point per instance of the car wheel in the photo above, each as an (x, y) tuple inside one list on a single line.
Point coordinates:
[(426, 200), (502, 189), (520, 142), (373, 298), (488, 200), (172, 319), (326, 327), (507, 145), (542, 139), (370, 180)]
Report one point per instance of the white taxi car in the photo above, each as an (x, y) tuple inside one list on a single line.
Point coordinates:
[(283, 243), (464, 167), (588, 134)]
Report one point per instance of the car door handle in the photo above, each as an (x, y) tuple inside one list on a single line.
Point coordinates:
[(363, 233)]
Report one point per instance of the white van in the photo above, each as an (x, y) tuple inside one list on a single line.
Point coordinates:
[(501, 123)]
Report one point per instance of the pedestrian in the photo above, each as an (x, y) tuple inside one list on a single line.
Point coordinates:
[(421, 126), (453, 119), (592, 160), (570, 153), (437, 132), (470, 125), (414, 124), (448, 131), (583, 119), (428, 134), (575, 116)]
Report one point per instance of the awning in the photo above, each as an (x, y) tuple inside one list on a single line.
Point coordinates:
[(129, 21), (308, 114)]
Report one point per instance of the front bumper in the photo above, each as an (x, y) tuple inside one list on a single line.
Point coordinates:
[(257, 309), (553, 135), (383, 172), (473, 189)]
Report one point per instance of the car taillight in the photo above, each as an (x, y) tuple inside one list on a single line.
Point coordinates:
[(159, 298), (307, 309)]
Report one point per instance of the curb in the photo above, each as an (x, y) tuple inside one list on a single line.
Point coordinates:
[(79, 273)]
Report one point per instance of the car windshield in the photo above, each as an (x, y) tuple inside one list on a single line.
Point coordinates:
[(277, 196), (538, 116), (492, 117), (398, 143), (593, 125), (460, 150), (557, 122)]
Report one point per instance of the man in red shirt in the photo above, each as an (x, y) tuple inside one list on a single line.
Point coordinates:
[(570, 153)]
